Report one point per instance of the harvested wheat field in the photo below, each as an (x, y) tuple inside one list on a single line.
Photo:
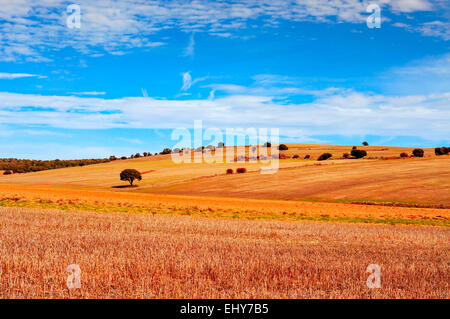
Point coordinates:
[(143, 256), (104, 201), (193, 231)]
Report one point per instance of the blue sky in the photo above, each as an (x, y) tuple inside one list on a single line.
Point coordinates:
[(136, 70)]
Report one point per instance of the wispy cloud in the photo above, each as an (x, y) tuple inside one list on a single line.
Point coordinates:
[(424, 76), (88, 93), (187, 81), (189, 50), (29, 28), (12, 76)]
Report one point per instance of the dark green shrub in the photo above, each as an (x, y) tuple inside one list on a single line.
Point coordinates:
[(403, 155), (295, 156), (282, 147), (365, 143), (307, 156), (324, 156), (418, 152), (241, 170), (358, 153), (229, 171), (166, 151)]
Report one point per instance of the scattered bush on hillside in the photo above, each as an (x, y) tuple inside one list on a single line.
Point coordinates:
[(307, 156), (166, 151), (112, 158), (324, 156), (354, 148), (295, 156), (229, 171), (365, 143), (418, 152), (403, 155), (130, 175), (282, 147), (137, 155), (241, 170), (267, 144), (145, 154), (7, 173), (123, 158), (346, 155), (441, 150), (358, 153)]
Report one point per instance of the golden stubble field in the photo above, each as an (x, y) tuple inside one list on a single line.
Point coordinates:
[(191, 231), (144, 256)]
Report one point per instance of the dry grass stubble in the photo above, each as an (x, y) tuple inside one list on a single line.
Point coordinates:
[(144, 256)]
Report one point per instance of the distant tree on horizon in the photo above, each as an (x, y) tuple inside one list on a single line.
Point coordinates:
[(166, 151), (365, 143)]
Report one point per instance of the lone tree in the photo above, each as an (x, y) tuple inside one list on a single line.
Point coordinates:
[(130, 175), (365, 143)]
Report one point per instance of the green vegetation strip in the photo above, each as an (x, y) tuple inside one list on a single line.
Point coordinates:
[(221, 214)]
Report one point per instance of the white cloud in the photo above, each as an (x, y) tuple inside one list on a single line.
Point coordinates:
[(344, 112), (187, 81), (409, 5), (88, 93), (12, 76), (425, 76), (212, 94), (29, 27), (436, 28), (189, 50)]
